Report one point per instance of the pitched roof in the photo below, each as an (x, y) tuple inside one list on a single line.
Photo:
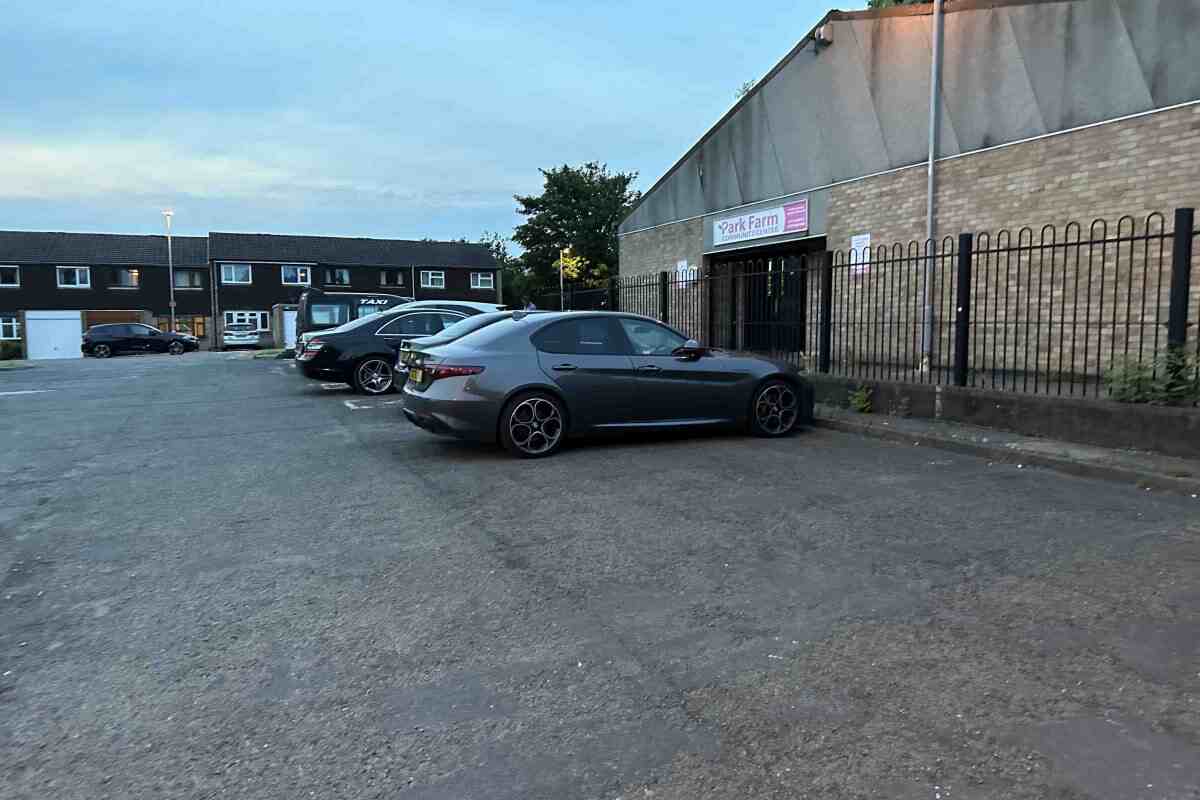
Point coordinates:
[(346, 251), (49, 247)]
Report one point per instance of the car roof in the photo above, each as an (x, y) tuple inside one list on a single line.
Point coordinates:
[(481, 307)]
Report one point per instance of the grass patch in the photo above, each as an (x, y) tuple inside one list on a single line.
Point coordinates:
[(269, 353)]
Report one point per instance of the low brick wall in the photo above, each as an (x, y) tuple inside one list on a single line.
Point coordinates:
[(1172, 431)]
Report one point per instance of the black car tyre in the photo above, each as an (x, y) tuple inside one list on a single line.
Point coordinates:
[(533, 425), (775, 410), (373, 375), (175, 348), (101, 350)]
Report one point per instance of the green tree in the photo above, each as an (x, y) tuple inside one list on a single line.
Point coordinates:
[(579, 208)]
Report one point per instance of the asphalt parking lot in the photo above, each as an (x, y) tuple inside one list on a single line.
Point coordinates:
[(218, 579)]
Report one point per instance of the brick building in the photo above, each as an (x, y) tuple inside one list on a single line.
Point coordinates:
[(1051, 111), (55, 285)]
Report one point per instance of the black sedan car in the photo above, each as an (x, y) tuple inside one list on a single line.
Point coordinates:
[(532, 380), (103, 341), (364, 352)]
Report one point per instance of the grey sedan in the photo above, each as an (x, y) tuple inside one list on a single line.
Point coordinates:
[(530, 381)]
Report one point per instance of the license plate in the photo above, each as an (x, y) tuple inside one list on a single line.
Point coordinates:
[(415, 375)]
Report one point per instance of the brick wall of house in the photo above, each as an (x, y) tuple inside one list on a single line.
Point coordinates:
[(661, 249)]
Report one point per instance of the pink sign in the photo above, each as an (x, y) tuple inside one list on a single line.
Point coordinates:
[(795, 216), (788, 218)]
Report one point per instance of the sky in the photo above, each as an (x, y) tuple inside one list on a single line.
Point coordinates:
[(355, 118)]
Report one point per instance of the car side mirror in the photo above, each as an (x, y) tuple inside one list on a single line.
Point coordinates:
[(690, 351)]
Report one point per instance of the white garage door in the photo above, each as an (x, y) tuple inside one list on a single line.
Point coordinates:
[(53, 334)]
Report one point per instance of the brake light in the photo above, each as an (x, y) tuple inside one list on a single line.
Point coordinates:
[(439, 371), (311, 349)]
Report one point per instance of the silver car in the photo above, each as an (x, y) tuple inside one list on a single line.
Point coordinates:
[(531, 380)]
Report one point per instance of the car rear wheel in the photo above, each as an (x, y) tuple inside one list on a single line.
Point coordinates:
[(373, 375), (175, 348), (533, 425), (776, 410), (101, 350)]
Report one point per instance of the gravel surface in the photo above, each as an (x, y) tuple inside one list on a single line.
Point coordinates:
[(218, 579)]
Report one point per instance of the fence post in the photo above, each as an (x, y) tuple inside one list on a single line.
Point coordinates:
[(664, 297), (962, 309), (1181, 277), (712, 308), (825, 334), (614, 295)]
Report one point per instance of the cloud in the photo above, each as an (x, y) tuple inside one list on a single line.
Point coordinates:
[(77, 170)]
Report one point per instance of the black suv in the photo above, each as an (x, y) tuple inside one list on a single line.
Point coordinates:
[(363, 352), (103, 341)]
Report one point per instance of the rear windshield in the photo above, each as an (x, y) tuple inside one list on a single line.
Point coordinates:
[(465, 326), (239, 327)]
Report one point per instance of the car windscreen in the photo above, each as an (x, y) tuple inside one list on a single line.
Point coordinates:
[(239, 327)]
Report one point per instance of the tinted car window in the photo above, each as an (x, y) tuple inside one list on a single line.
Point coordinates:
[(651, 339), (587, 336), (420, 324)]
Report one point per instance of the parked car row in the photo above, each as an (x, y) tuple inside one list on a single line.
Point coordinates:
[(529, 380)]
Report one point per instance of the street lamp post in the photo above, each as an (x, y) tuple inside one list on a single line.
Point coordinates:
[(167, 214), (562, 297)]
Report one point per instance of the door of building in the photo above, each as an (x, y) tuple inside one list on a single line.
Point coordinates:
[(53, 334), (289, 329)]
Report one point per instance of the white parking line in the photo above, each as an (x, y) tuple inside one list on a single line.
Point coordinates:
[(367, 405), (26, 391), (331, 386)]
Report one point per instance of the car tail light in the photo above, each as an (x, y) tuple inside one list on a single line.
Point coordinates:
[(311, 349), (439, 371)]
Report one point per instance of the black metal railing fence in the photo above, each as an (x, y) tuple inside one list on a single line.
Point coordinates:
[(1046, 311)]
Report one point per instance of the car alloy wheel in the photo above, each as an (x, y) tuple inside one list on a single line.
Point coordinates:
[(175, 348), (101, 351), (535, 426), (374, 376), (776, 409)]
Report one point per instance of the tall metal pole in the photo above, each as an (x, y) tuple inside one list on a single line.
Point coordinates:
[(170, 266), (935, 92), (562, 297)]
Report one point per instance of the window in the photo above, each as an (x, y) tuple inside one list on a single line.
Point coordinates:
[(482, 280), (235, 273), (10, 276), (337, 277), (74, 277), (391, 277), (329, 313), (366, 310), (193, 325), (261, 320), (189, 279), (295, 275), (10, 328), (433, 279), (126, 278), (651, 339), (421, 324), (587, 336)]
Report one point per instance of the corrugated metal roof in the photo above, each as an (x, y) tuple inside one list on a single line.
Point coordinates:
[(1014, 69)]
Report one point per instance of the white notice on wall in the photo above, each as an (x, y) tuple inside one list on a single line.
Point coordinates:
[(860, 253), (683, 272)]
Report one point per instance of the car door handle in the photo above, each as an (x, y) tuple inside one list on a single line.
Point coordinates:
[(563, 367), (649, 368)]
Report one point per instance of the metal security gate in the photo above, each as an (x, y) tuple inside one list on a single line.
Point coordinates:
[(761, 303)]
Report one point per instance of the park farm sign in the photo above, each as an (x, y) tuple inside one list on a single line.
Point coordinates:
[(764, 222)]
